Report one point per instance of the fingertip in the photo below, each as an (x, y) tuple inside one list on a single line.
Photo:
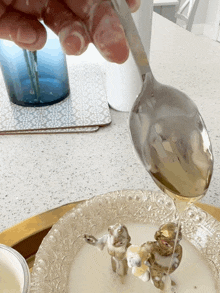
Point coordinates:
[(73, 44), (120, 59), (107, 34), (73, 39), (134, 4), (110, 40), (115, 52), (25, 31), (30, 35)]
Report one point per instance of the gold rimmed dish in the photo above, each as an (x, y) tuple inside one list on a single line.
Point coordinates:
[(63, 244)]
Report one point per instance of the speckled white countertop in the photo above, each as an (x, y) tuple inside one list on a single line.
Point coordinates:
[(41, 172)]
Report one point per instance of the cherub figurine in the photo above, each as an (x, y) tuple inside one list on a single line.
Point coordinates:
[(117, 241), (154, 259), (137, 258)]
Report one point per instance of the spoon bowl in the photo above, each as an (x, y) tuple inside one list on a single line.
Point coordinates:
[(171, 140), (166, 128)]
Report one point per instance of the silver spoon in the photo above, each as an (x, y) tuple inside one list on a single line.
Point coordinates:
[(166, 128)]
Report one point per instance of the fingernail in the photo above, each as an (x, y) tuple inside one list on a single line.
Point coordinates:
[(73, 42), (111, 42), (26, 35)]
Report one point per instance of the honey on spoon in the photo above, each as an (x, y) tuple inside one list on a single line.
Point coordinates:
[(168, 133), (166, 128)]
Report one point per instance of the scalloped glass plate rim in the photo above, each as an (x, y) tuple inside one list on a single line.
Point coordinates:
[(60, 246)]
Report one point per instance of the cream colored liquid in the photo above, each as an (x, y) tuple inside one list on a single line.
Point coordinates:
[(91, 270), (9, 283)]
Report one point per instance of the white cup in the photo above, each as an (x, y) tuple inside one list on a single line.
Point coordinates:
[(123, 82), (14, 271)]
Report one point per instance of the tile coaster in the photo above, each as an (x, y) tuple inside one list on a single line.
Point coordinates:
[(85, 109), (53, 131)]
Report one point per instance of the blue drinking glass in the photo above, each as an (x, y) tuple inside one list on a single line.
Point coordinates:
[(35, 79)]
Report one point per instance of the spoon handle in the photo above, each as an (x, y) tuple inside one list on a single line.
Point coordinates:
[(132, 36)]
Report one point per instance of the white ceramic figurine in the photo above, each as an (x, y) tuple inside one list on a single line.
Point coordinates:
[(117, 241)]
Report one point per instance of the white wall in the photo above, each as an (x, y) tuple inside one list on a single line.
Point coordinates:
[(211, 27), (201, 12), (211, 13)]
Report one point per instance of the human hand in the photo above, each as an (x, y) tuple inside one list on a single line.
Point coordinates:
[(76, 22)]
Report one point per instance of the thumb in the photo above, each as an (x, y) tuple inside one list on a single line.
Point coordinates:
[(24, 30)]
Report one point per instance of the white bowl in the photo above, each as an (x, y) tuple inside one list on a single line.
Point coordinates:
[(14, 271), (60, 265)]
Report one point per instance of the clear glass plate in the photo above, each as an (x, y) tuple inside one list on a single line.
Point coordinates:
[(61, 245)]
